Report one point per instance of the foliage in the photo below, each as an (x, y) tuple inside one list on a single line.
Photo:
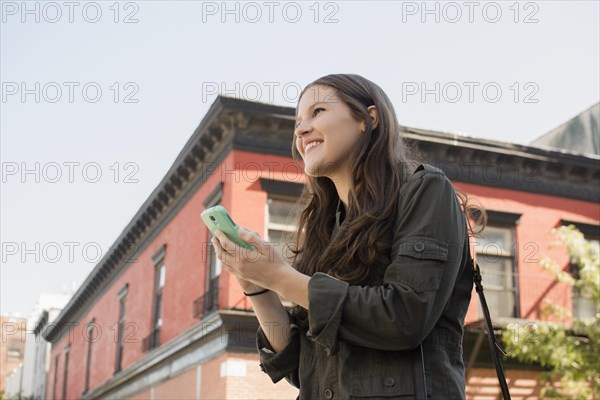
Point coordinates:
[(571, 353)]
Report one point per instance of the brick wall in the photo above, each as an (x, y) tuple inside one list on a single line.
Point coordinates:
[(522, 385)]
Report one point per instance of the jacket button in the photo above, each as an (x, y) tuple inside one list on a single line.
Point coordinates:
[(389, 382), (328, 394), (419, 246)]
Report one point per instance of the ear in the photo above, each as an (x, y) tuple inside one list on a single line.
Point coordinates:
[(372, 110)]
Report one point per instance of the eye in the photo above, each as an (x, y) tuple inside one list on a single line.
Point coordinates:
[(314, 113)]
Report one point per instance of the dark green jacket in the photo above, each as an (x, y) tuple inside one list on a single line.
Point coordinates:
[(361, 338)]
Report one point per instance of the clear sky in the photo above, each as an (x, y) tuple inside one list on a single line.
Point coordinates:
[(98, 98)]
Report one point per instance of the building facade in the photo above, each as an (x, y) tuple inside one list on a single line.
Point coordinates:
[(158, 318), (12, 348), (29, 379)]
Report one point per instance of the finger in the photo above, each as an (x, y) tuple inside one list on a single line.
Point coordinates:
[(253, 239), (216, 245), (221, 254), (220, 236), (226, 244)]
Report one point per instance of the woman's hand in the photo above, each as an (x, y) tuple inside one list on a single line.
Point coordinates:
[(254, 269)]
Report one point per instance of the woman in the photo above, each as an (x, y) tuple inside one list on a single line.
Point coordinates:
[(379, 274)]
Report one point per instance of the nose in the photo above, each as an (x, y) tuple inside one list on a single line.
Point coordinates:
[(302, 129)]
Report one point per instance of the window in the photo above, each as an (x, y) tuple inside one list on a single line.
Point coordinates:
[(280, 213), (280, 223), (66, 372), (280, 227), (88, 363), (496, 258), (160, 272), (120, 328), (209, 301), (583, 304), (214, 268), (55, 377), (158, 300), (14, 352), (15, 348)]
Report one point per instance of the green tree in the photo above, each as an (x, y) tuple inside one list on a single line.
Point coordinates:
[(572, 353)]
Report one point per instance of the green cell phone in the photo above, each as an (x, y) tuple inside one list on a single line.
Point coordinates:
[(217, 218)]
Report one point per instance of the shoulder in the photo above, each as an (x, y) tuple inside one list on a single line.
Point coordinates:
[(427, 169), (425, 174), (429, 197)]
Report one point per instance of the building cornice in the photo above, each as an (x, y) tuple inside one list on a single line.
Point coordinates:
[(510, 166), (41, 322)]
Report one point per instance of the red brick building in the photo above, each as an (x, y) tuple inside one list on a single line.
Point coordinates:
[(159, 319)]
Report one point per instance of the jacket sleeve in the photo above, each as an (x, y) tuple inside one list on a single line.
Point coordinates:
[(283, 364), (430, 231)]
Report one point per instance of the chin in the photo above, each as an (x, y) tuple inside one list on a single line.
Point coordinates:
[(312, 169), (317, 169)]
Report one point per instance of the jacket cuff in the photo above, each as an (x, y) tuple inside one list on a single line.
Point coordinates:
[(326, 296), (278, 365)]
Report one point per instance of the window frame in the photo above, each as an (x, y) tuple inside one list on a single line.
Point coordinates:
[(273, 226), (590, 233), (66, 371), (158, 261), (54, 384), (209, 301), (88, 365), (504, 221), (15, 346), (121, 328)]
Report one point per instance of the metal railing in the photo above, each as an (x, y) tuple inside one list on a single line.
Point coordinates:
[(208, 302), (151, 341)]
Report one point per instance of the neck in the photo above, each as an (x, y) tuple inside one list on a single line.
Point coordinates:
[(342, 186)]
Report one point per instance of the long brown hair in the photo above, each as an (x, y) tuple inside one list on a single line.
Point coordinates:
[(381, 161)]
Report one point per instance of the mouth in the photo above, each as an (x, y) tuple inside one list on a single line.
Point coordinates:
[(312, 145)]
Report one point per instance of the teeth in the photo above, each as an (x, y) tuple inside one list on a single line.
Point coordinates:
[(312, 144)]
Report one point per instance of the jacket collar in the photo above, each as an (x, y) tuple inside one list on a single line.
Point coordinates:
[(339, 214)]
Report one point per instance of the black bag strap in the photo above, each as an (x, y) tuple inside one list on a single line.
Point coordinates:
[(494, 345)]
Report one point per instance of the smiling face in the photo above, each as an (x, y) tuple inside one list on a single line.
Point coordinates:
[(326, 133)]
